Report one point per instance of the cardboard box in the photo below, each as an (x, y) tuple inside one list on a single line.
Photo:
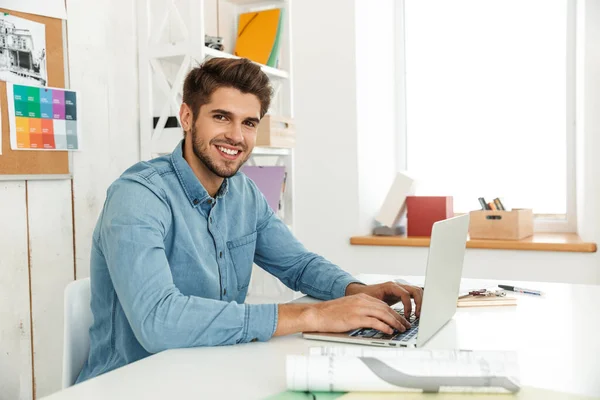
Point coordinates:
[(276, 131), (424, 211), (516, 224)]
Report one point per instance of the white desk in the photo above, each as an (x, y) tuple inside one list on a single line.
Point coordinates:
[(557, 338)]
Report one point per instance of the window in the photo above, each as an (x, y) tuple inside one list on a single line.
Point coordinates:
[(489, 97)]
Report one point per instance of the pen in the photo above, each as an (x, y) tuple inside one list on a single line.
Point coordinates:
[(484, 205), (499, 204), (520, 290)]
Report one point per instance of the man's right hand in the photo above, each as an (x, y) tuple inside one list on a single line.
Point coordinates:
[(340, 315)]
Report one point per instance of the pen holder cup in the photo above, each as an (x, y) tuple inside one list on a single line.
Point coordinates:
[(516, 224)]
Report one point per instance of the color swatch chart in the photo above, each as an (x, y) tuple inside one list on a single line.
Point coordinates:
[(42, 118)]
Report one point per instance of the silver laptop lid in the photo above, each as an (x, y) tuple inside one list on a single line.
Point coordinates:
[(442, 278)]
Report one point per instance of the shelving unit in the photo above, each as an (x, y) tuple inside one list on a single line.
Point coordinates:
[(171, 42), (271, 151), (273, 73)]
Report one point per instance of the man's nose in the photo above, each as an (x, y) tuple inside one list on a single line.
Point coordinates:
[(235, 133)]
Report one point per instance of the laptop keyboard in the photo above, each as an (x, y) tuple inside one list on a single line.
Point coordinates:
[(369, 333)]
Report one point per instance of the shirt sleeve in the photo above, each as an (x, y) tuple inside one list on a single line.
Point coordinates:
[(135, 220), (282, 255)]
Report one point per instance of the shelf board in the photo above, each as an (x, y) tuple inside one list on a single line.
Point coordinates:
[(271, 151), (253, 2), (270, 71), (570, 242)]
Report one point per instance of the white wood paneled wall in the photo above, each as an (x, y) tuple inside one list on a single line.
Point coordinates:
[(36, 264), (51, 268), (15, 318), (41, 248), (103, 65)]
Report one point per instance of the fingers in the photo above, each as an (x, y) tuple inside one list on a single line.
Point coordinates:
[(382, 305), (417, 294), (405, 298), (405, 292), (395, 319), (370, 322), (402, 320), (386, 314)]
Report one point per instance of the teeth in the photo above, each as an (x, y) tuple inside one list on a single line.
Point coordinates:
[(228, 151)]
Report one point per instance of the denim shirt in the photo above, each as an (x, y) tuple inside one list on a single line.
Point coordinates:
[(170, 265)]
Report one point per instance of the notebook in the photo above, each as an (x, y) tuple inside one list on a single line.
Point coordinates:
[(257, 35), (473, 301)]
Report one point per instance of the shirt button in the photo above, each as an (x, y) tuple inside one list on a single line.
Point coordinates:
[(209, 201), (221, 254), (196, 201)]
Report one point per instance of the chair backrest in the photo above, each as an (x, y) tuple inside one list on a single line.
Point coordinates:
[(78, 319)]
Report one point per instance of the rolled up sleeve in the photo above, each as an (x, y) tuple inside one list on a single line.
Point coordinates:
[(260, 322)]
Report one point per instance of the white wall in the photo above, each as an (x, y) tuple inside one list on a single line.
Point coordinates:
[(339, 180), (103, 61), (36, 263), (15, 322), (37, 243), (324, 56)]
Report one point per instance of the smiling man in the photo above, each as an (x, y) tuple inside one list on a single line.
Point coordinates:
[(173, 248)]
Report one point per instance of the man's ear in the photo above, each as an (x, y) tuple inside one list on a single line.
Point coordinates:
[(185, 117)]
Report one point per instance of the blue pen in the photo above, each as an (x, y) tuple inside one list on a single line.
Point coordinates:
[(520, 290)]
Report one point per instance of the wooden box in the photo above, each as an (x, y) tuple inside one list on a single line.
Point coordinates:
[(516, 224), (276, 131), (423, 211)]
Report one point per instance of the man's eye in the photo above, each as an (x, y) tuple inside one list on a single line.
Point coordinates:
[(219, 117), (251, 124)]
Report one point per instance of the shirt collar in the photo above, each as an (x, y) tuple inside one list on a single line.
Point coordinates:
[(192, 187)]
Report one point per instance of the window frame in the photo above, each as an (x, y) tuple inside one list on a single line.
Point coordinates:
[(542, 223)]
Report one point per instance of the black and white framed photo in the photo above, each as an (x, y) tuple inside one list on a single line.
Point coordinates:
[(22, 51)]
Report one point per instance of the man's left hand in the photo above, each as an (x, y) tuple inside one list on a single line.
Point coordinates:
[(391, 293)]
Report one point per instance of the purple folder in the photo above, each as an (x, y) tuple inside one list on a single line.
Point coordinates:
[(269, 180)]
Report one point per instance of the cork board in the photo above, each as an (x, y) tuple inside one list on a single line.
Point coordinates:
[(36, 162)]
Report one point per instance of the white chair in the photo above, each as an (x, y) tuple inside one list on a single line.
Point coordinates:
[(78, 319)]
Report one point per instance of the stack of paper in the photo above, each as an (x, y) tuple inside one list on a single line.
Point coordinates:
[(258, 36), (351, 369)]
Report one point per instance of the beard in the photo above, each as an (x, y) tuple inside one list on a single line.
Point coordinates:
[(222, 168)]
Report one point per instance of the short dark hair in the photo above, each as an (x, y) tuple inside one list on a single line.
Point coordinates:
[(238, 73)]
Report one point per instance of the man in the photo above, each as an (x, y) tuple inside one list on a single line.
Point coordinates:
[(173, 248)]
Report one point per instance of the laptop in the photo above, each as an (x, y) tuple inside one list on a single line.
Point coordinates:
[(440, 294)]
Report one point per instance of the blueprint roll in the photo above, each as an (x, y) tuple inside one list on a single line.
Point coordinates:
[(404, 371)]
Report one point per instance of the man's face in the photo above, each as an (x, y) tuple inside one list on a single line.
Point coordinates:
[(224, 134)]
